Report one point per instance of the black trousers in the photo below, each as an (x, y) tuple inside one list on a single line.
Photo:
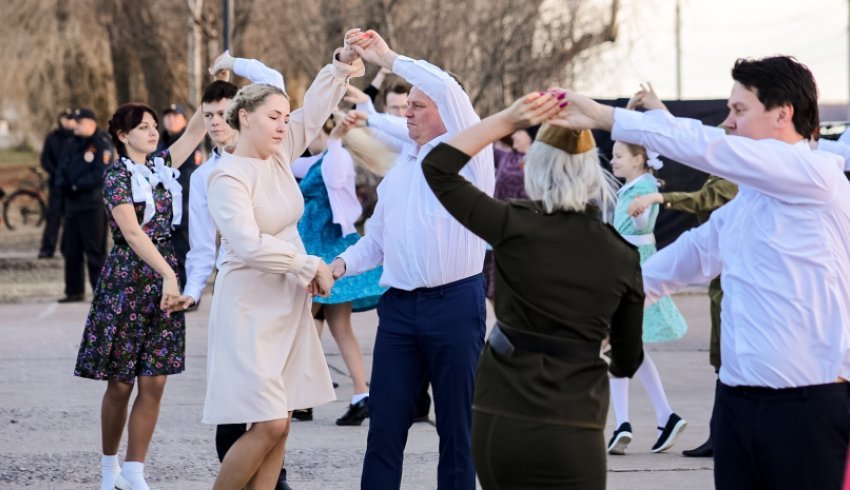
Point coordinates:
[(516, 454), (792, 438), (84, 247), (52, 222)]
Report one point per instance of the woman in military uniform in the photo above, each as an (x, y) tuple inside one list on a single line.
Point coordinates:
[(564, 281)]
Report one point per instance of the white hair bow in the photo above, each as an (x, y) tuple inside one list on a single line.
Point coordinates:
[(653, 161)]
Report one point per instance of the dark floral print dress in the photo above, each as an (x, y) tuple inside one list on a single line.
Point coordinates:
[(126, 333)]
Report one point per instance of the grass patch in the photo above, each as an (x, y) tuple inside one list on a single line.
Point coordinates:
[(17, 158)]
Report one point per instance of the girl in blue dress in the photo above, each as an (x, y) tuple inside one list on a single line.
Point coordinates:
[(662, 321), (327, 229)]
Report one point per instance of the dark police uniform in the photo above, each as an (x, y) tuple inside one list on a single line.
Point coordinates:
[(80, 179), (55, 147)]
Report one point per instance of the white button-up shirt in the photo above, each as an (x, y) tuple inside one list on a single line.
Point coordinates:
[(781, 246), (201, 257), (418, 242)]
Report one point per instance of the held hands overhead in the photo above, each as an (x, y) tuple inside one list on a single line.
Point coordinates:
[(646, 98), (222, 66), (344, 123)]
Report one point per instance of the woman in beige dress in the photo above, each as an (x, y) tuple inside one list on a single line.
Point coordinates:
[(265, 358)]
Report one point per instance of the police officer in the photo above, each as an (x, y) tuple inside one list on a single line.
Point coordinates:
[(174, 123), (80, 179), (51, 154)]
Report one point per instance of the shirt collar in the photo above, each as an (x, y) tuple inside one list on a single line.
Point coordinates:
[(629, 185), (415, 151)]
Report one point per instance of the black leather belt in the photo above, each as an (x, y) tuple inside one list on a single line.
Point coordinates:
[(157, 240), (507, 340)]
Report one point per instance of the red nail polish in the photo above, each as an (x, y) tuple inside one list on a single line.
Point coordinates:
[(563, 104), (561, 96)]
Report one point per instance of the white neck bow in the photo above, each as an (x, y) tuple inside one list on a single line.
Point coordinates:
[(143, 180)]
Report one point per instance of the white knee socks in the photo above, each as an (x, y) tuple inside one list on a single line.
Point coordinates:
[(620, 399), (133, 472), (109, 471), (647, 373)]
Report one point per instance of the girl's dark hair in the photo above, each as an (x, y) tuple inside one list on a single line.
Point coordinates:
[(126, 118)]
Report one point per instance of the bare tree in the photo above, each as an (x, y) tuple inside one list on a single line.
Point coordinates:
[(101, 53)]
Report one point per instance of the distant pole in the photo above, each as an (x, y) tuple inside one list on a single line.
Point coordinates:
[(679, 51), (227, 16)]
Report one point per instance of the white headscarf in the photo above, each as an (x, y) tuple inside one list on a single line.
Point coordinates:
[(143, 180)]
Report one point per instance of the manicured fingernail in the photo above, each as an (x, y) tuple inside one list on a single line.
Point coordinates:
[(563, 104), (541, 93), (561, 96)]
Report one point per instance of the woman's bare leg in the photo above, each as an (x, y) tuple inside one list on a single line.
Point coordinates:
[(250, 452), (339, 323)]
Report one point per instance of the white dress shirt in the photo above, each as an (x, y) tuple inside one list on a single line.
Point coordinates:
[(201, 256), (780, 245), (387, 128), (418, 242), (338, 175), (839, 148)]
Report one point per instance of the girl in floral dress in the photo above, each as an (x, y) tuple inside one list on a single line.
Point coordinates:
[(662, 321), (133, 330)]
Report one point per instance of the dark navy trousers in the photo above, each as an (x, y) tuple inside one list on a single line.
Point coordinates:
[(435, 332)]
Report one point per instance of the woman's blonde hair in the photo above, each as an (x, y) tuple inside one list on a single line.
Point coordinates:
[(369, 152), (569, 182), (249, 98)]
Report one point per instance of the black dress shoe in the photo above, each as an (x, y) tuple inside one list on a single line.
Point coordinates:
[(356, 413), (671, 430), (706, 450), (281, 481), (621, 439), (45, 255), (72, 298), (305, 415)]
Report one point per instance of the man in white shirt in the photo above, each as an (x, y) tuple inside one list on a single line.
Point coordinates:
[(201, 259), (432, 319), (781, 417)]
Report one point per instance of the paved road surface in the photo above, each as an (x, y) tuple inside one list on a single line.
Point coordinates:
[(49, 435)]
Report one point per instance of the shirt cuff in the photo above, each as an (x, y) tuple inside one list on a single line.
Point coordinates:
[(304, 268), (628, 126), (194, 292), (348, 263)]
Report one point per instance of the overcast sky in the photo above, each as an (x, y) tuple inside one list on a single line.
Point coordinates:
[(714, 34)]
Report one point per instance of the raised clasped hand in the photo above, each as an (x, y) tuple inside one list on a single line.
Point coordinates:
[(348, 53), (222, 66), (373, 49), (535, 108)]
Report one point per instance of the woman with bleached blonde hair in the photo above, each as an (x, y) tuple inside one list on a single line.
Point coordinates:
[(565, 280), (264, 357)]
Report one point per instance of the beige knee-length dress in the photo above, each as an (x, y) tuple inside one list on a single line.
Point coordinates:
[(264, 356)]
